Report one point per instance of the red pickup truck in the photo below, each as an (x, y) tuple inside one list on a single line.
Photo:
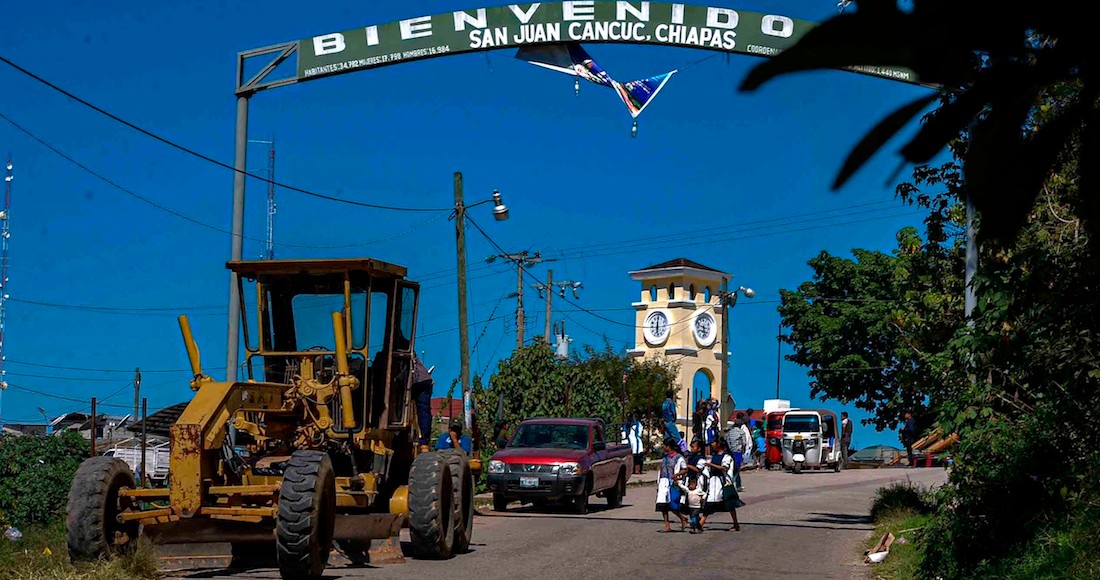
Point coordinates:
[(550, 460)]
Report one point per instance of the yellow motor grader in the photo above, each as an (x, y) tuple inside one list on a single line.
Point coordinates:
[(318, 445)]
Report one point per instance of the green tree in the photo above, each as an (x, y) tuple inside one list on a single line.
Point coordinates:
[(534, 382), (866, 326)]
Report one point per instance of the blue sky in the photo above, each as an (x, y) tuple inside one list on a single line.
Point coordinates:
[(566, 165)]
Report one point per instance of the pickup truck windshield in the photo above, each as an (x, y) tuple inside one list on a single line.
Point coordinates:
[(551, 436)]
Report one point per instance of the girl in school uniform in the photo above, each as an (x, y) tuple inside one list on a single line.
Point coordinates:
[(717, 469), (668, 477)]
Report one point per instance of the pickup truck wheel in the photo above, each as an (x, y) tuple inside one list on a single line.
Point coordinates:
[(500, 503), (615, 494), (431, 506), (462, 481), (580, 504), (91, 528), (306, 519)]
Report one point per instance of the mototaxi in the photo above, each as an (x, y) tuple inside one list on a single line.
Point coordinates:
[(810, 440)]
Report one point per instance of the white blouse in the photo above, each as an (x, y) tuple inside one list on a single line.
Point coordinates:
[(663, 484)]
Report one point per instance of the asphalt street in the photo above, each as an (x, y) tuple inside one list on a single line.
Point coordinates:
[(810, 525)]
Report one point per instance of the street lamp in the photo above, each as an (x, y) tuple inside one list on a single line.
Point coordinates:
[(500, 213), (729, 300)]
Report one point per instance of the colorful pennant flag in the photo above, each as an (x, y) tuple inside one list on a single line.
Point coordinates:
[(571, 59)]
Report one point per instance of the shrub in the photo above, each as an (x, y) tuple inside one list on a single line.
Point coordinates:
[(35, 476), (900, 497)]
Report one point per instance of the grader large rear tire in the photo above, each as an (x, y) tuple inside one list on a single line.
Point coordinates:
[(307, 515), (462, 482), (92, 530), (431, 506)]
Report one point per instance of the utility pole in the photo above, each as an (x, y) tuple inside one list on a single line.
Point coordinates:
[(137, 394), (728, 300), (5, 233), (522, 260), (500, 213), (549, 300), (778, 355), (463, 330), (548, 288)]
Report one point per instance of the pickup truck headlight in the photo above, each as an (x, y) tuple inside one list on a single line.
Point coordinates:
[(572, 468), (496, 466)]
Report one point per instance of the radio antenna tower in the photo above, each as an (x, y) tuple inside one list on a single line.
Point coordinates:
[(269, 248), (5, 233), (271, 202)]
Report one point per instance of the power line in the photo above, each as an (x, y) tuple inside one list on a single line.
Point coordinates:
[(93, 370), (644, 246), (696, 232), (55, 378), (208, 158), (186, 217)]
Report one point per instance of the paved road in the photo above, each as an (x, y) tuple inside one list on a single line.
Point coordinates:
[(821, 517)]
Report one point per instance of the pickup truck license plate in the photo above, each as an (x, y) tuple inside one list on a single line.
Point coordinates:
[(528, 482)]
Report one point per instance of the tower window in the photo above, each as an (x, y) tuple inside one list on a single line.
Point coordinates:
[(672, 291), (691, 292), (653, 293), (706, 294)]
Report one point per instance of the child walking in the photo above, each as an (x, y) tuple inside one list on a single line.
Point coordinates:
[(695, 498)]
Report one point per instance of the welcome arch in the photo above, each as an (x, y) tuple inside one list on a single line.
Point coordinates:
[(712, 28)]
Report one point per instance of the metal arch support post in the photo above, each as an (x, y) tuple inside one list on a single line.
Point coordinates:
[(236, 247)]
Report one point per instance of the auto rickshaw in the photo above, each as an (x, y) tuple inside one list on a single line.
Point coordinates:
[(773, 434), (810, 440)]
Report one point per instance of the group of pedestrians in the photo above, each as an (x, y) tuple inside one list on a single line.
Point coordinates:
[(698, 484)]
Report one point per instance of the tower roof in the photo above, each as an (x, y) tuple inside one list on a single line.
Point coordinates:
[(678, 268), (680, 263)]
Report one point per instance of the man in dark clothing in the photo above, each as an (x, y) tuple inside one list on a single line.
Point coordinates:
[(909, 436), (422, 384), (845, 437)]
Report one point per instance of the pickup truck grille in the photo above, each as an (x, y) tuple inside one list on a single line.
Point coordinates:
[(531, 468)]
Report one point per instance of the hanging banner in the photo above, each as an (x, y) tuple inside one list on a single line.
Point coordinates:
[(543, 23), (572, 59)]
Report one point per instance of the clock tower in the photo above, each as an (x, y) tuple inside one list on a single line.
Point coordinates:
[(679, 319)]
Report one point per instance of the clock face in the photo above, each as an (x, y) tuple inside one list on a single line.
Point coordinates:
[(705, 328), (656, 327)]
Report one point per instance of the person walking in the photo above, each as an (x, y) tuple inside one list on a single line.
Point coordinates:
[(845, 438), (632, 435), (760, 445), (908, 436), (695, 499), (718, 477), (667, 484), (668, 413), (735, 441)]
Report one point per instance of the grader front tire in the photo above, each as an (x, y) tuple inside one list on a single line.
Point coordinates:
[(462, 483), (431, 506), (307, 515), (91, 528)]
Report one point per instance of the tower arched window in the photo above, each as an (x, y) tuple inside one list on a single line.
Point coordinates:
[(653, 293), (672, 291), (691, 292)]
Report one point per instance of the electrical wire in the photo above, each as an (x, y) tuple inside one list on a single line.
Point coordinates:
[(93, 370), (188, 218), (733, 226), (55, 378), (207, 158)]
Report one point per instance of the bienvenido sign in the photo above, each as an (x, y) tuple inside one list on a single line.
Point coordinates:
[(514, 25)]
